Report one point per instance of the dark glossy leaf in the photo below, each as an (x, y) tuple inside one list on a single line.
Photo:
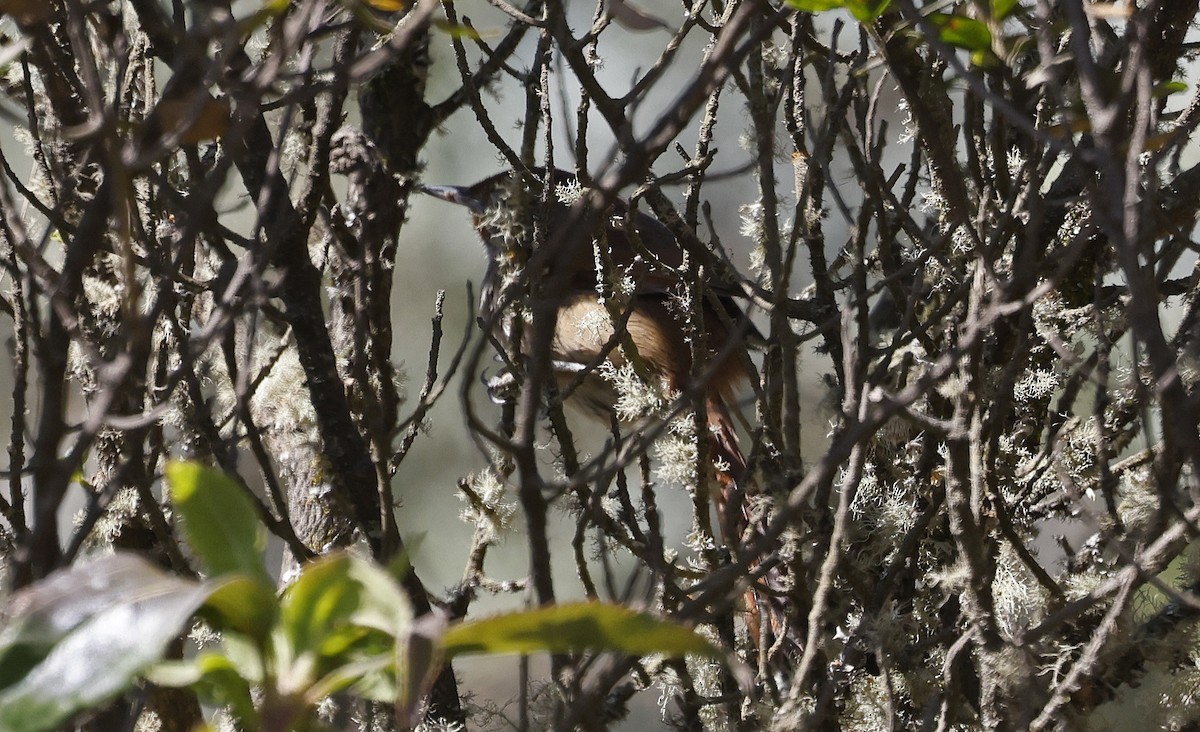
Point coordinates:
[(41, 615), (588, 626), (219, 521), (90, 644)]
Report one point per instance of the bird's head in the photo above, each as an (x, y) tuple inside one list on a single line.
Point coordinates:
[(500, 202)]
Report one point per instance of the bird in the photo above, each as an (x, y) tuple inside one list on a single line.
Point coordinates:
[(643, 253), (638, 255)]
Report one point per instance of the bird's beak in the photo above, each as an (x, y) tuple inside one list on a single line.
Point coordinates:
[(456, 194)]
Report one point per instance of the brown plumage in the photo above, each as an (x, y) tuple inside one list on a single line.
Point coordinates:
[(651, 262)]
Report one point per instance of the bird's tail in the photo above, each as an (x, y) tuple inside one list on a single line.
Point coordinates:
[(740, 519)]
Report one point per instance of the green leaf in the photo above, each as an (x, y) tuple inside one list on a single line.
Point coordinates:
[(1001, 9), (317, 603), (341, 624), (245, 605), (222, 685), (456, 30), (337, 600), (372, 678), (983, 59), (383, 605), (963, 32), (866, 11), (246, 656), (75, 650), (575, 627), (1167, 88), (215, 678), (219, 521), (816, 6)]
